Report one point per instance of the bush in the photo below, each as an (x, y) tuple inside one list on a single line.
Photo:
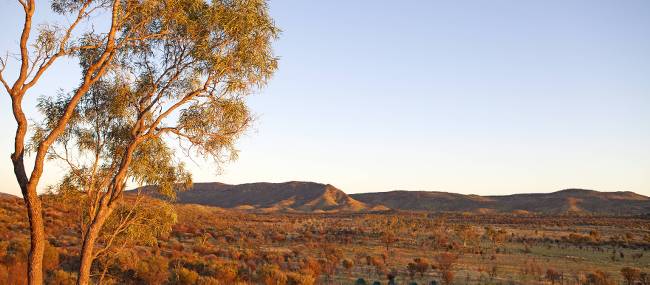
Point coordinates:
[(61, 277), (448, 277), (4, 273), (15, 274), (16, 251), (421, 265), (226, 272), (411, 268), (205, 280), (599, 278), (347, 264), (444, 263), (553, 276), (272, 275), (184, 276), (631, 275), (50, 257), (295, 278), (153, 270)]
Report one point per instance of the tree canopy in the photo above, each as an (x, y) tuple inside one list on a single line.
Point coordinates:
[(186, 84)]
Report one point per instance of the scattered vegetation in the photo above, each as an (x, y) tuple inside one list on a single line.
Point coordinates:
[(210, 245)]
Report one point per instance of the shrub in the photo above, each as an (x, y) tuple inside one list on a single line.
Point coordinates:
[(347, 264), (361, 281), (295, 278), (644, 278), (421, 265), (50, 257), (16, 251), (205, 280), (312, 266), (445, 262), (61, 277), (15, 274), (631, 274), (153, 270), (272, 275), (411, 268), (184, 276), (599, 278), (226, 272), (447, 277), (4, 273), (553, 276)]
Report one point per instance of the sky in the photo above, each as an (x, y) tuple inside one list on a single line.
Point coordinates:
[(482, 97)]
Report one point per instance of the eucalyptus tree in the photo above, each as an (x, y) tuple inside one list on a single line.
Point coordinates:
[(186, 88), (38, 50), (138, 221)]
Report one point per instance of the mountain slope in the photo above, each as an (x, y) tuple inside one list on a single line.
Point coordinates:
[(7, 196), (423, 200), (315, 197), (577, 201), (271, 197)]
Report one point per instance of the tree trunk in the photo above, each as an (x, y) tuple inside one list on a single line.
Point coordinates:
[(35, 216), (86, 257), (37, 234), (87, 249), (104, 210)]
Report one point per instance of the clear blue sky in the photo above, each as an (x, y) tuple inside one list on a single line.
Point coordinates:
[(485, 97)]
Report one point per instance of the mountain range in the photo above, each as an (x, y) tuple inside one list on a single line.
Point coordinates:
[(311, 197), (273, 197)]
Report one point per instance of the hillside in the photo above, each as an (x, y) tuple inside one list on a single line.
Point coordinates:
[(315, 197), (576, 201), (6, 196), (272, 197), (423, 200)]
